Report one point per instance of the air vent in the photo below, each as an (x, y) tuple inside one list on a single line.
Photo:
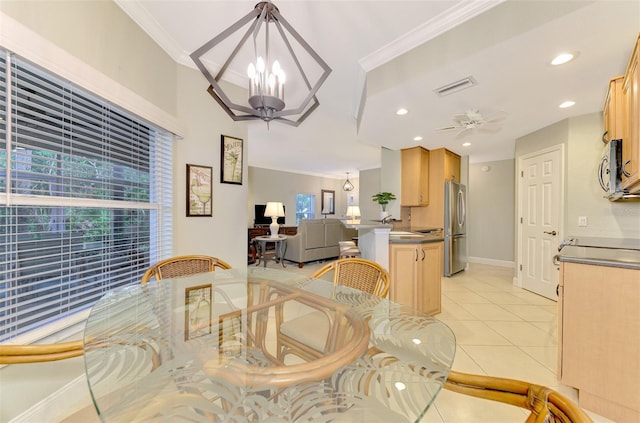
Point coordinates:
[(454, 87)]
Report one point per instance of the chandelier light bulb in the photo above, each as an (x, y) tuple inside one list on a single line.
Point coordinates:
[(282, 77), (275, 69), (251, 71), (260, 64)]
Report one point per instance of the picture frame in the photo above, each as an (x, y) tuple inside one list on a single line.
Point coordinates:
[(327, 202), (231, 160), (197, 311), (199, 190)]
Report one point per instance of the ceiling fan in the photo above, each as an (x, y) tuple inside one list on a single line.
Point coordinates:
[(473, 119)]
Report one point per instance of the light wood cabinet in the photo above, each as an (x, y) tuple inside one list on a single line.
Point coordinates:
[(444, 165), (416, 275), (614, 110), (599, 338), (631, 136), (415, 177)]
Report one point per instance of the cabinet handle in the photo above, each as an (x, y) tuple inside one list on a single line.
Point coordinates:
[(423, 254), (604, 140), (416, 250), (624, 170)]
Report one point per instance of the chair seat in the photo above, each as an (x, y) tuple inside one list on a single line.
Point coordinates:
[(311, 329)]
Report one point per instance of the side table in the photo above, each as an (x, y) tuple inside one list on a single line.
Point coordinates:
[(280, 247)]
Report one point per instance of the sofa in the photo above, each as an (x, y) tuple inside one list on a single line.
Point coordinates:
[(317, 239)]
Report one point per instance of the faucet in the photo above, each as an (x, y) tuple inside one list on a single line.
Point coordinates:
[(386, 219)]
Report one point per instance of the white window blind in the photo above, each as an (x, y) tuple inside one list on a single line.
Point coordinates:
[(85, 197)]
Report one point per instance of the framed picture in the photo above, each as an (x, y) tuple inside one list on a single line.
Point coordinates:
[(199, 190), (328, 202), (197, 318), (231, 160)]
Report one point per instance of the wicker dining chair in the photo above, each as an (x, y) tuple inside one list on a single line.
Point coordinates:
[(182, 266), (358, 273), (307, 335), (544, 404), (37, 353)]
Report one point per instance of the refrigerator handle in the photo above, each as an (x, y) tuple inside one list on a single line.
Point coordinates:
[(462, 210)]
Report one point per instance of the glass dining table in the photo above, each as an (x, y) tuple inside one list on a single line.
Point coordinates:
[(205, 348)]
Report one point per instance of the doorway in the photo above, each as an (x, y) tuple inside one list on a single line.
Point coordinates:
[(540, 211)]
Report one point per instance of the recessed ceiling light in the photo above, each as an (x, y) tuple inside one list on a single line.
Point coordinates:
[(466, 144), (566, 104), (563, 58), (402, 111), (418, 138)]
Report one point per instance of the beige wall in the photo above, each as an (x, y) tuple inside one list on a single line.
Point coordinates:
[(274, 185), (100, 34), (584, 197), (490, 198), (222, 235)]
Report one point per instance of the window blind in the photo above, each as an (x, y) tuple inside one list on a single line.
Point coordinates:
[(85, 197)]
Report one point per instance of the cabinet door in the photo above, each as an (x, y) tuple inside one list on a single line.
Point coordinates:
[(451, 166), (403, 260), (613, 111), (601, 333), (415, 177), (631, 138), (430, 285)]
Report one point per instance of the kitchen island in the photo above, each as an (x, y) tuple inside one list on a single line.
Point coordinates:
[(599, 325)]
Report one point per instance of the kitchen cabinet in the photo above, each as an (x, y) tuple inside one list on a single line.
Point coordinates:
[(444, 165), (415, 177), (614, 110), (631, 136), (416, 275), (599, 338)]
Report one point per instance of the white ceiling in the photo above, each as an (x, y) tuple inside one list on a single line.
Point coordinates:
[(387, 54)]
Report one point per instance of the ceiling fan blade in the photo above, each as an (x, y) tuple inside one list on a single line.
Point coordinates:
[(448, 128), (489, 128), (463, 133)]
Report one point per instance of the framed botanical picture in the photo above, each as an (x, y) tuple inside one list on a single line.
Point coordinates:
[(199, 190), (231, 160), (197, 318)]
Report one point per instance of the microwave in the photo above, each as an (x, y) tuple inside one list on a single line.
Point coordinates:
[(610, 170)]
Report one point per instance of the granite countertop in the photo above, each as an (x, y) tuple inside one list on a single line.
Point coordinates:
[(406, 237), (602, 252)]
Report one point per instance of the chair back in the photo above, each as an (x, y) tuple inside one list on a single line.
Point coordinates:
[(358, 273), (182, 266)]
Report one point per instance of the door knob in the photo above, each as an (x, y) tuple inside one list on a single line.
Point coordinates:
[(554, 233)]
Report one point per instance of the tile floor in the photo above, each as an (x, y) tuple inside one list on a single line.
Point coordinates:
[(500, 330)]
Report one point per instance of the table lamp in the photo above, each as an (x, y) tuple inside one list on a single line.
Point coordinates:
[(353, 212), (274, 210)]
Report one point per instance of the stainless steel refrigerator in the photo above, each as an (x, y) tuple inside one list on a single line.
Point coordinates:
[(455, 227)]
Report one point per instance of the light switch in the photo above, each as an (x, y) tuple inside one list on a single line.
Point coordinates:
[(582, 220)]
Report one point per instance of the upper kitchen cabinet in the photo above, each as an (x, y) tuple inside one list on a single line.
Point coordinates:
[(613, 111), (631, 135), (451, 162), (415, 177)]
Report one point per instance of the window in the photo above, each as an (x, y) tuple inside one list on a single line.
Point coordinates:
[(85, 197), (305, 207)]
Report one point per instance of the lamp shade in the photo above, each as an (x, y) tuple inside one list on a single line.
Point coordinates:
[(353, 212), (274, 209)]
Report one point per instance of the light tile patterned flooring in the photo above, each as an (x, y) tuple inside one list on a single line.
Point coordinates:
[(501, 330)]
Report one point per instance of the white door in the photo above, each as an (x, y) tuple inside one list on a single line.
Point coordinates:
[(540, 220)]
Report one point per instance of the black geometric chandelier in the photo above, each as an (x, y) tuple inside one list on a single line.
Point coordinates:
[(266, 64)]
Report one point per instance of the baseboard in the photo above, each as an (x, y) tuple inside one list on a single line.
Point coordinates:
[(56, 407), (492, 262)]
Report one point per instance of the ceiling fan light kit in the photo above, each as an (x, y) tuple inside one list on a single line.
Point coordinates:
[(265, 75)]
